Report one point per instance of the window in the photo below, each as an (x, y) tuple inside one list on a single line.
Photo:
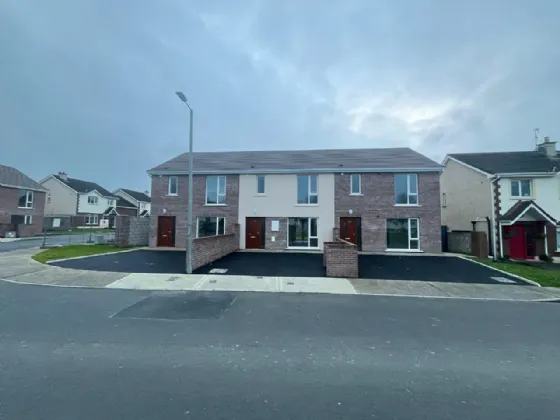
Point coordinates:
[(28, 220), (403, 234), (406, 189), (521, 188), (92, 199), (307, 189), (25, 199), (558, 239), (302, 232), (355, 184), (444, 200), (215, 190), (260, 184), (48, 198), (172, 187), (210, 226), (92, 219)]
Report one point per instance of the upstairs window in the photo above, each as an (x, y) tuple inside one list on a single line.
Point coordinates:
[(215, 190), (307, 189), (173, 186), (521, 188), (25, 199), (355, 184), (406, 189), (260, 184), (92, 199)]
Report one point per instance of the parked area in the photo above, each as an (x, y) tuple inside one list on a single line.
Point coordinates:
[(267, 264)]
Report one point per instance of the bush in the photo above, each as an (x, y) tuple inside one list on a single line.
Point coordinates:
[(545, 258)]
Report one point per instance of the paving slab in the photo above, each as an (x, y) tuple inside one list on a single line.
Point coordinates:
[(315, 285), (148, 281), (396, 287), (553, 292), (64, 277), (239, 283), (491, 291), (16, 266)]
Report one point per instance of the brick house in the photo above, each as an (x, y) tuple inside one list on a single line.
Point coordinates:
[(22, 203), (379, 199)]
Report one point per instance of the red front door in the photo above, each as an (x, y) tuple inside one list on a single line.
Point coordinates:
[(517, 242), (166, 231), (254, 233), (349, 229)]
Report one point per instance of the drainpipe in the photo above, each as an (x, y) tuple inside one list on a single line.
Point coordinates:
[(501, 240), (494, 250)]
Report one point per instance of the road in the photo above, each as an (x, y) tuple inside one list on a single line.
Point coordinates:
[(50, 240), (273, 356)]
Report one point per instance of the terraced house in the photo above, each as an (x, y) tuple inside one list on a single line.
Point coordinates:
[(379, 199)]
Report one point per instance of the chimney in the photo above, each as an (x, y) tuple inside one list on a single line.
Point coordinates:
[(547, 147), (63, 176), (147, 193)]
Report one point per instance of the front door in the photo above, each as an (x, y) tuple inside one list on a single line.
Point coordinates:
[(254, 233), (166, 231), (517, 242), (350, 229)]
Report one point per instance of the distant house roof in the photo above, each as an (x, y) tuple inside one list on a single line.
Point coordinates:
[(388, 159), (11, 177), (509, 162), (121, 202), (521, 207), (137, 195), (84, 187)]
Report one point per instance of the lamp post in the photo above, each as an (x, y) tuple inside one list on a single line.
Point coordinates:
[(183, 98)]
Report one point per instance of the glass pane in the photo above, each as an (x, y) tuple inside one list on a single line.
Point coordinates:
[(526, 188), (401, 189), (313, 199), (412, 183), (355, 183), (22, 199), (413, 199), (221, 225), (397, 233), (173, 185), (212, 190), (302, 186), (313, 184), (413, 228), (221, 185), (206, 226), (260, 185), (414, 244), (514, 188), (313, 227), (298, 232), (314, 242), (222, 199)]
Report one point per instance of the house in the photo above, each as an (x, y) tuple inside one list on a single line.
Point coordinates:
[(380, 199), (73, 202), (141, 201), (22, 203), (514, 196)]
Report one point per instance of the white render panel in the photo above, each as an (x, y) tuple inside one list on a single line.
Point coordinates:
[(545, 192), (99, 208), (63, 200), (280, 200)]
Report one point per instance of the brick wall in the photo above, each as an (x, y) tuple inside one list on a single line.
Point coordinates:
[(9, 198), (341, 259), (212, 248), (132, 231), (377, 204), (459, 241), (177, 205), (280, 237)]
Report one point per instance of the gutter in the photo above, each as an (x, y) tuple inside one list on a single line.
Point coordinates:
[(24, 188)]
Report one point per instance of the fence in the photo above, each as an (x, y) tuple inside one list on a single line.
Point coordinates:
[(79, 236)]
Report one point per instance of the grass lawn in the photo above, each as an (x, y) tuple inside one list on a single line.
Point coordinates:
[(71, 251), (547, 278)]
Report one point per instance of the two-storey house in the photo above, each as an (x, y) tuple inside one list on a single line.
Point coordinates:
[(22, 203), (73, 202), (514, 196), (380, 199), (140, 201)]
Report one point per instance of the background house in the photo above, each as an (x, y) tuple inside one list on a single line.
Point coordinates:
[(139, 200), (22, 203)]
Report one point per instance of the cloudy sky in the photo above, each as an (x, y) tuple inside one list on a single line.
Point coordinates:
[(87, 86)]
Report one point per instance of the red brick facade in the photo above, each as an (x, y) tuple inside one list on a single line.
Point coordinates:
[(212, 248), (9, 198), (340, 259), (376, 204)]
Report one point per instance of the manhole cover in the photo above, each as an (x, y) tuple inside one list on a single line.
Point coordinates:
[(177, 306)]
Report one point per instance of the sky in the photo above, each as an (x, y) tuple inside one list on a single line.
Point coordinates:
[(87, 87)]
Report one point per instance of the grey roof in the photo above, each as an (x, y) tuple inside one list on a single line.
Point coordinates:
[(300, 160), (12, 177), (509, 162), (137, 195), (84, 186), (521, 207), (121, 202)]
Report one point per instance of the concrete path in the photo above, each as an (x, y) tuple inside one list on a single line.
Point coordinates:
[(18, 267)]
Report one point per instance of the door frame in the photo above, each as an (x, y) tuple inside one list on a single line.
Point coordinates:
[(520, 232), (358, 220), (263, 231), (172, 231)]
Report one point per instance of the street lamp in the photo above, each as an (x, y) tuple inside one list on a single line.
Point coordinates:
[(183, 98)]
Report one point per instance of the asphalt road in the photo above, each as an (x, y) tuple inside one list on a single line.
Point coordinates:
[(64, 355)]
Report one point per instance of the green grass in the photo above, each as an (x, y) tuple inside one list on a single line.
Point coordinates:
[(547, 278), (71, 251)]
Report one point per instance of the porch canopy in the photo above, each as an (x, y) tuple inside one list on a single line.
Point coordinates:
[(525, 211)]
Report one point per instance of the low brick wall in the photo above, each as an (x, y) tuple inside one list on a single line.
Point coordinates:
[(212, 248), (459, 241), (132, 231), (340, 259)]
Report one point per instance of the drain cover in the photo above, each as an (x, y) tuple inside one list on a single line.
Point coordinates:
[(177, 306)]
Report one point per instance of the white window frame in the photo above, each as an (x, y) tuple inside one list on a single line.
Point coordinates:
[(309, 237), (518, 182), (29, 196), (264, 184), (309, 192), (95, 219), (408, 192), (93, 200), (359, 176), (28, 219), (410, 238), (557, 241), (221, 180), (217, 225), (176, 186)]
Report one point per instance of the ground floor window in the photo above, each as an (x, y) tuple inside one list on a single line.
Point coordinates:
[(92, 219), (210, 226), (302, 232), (403, 234), (28, 220)]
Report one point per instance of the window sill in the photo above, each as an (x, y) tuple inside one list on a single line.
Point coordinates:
[(215, 205), (26, 208), (522, 198), (401, 251), (408, 205), (303, 248), (172, 195), (260, 195), (306, 205), (356, 195)]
